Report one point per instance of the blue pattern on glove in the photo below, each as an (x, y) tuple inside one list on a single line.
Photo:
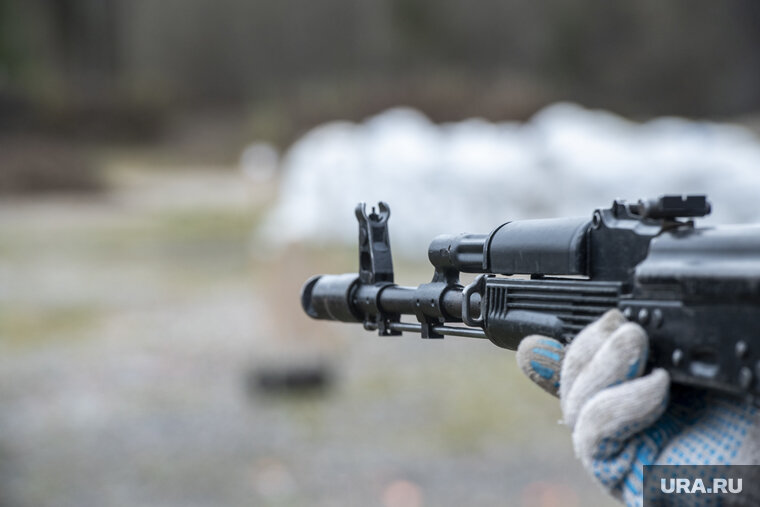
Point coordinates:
[(696, 429)]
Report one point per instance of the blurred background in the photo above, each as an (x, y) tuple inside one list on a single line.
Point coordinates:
[(171, 172)]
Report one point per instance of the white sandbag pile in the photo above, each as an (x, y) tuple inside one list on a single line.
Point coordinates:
[(474, 175)]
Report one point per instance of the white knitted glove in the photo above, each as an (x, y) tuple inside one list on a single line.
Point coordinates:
[(621, 420)]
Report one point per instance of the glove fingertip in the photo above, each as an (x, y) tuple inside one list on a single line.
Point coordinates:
[(616, 413), (586, 344), (632, 338), (540, 359)]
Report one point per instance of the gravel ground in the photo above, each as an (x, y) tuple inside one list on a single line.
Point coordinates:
[(130, 322)]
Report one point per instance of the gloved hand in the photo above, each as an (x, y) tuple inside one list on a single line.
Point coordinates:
[(622, 420)]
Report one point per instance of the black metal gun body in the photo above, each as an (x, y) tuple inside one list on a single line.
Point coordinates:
[(695, 290)]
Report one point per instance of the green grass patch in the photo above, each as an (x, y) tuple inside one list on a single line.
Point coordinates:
[(204, 224), (24, 326)]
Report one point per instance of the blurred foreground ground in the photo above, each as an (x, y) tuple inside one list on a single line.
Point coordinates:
[(129, 322)]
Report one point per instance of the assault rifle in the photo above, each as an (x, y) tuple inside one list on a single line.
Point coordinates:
[(695, 290)]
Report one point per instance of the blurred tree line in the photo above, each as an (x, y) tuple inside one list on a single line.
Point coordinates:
[(309, 60)]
